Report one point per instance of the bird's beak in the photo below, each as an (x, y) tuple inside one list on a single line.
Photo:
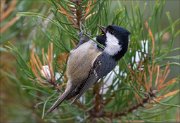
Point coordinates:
[(103, 29)]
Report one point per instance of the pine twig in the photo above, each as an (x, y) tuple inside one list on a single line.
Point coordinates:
[(111, 115), (5, 14), (76, 12)]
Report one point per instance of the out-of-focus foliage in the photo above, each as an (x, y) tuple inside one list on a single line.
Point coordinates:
[(41, 33)]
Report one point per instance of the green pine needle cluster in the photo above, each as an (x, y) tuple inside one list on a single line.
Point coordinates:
[(143, 91)]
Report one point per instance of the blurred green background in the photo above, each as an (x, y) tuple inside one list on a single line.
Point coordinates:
[(16, 103)]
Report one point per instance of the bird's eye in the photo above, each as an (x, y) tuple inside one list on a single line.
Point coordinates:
[(112, 31)]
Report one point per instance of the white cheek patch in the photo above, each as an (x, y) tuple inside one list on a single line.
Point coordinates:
[(112, 45)]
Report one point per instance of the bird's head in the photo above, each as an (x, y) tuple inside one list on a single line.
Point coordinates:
[(117, 39)]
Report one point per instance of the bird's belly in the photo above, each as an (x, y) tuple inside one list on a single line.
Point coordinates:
[(80, 61)]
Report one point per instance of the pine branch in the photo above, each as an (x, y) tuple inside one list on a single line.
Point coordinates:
[(5, 13), (77, 12)]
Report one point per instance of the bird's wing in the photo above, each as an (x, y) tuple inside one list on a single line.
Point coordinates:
[(101, 67)]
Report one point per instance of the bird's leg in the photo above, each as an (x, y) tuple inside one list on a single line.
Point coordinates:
[(82, 39)]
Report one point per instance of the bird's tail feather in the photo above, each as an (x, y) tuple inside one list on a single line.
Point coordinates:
[(60, 99)]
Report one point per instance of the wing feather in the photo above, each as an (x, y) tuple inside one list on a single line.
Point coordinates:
[(101, 67)]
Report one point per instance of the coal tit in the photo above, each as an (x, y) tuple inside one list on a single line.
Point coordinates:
[(89, 62)]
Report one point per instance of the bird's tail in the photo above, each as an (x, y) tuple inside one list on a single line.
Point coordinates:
[(60, 99)]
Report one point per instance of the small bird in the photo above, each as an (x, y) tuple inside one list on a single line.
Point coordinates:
[(89, 62)]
